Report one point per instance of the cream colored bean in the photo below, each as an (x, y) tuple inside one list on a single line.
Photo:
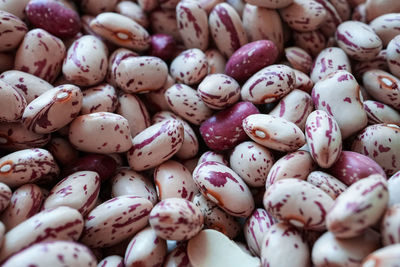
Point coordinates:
[(380, 113), (112, 133), (99, 98), (115, 220), (155, 144), (393, 56), (216, 61), (12, 29), (121, 31), (53, 109), (62, 223), (386, 256), (12, 103), (274, 132), (14, 136), (329, 184), (189, 67), (134, 11)]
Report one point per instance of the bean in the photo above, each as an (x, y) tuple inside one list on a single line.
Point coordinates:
[(14, 136), (134, 11), (13, 31), (385, 256), (12, 103), (298, 58), (393, 182), (189, 67), (331, 185)]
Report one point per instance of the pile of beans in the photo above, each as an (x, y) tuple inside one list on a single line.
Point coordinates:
[(200, 133)]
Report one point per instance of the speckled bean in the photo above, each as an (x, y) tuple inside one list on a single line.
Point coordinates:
[(12, 103), (387, 256), (54, 253), (95, 7), (329, 60), (111, 261), (303, 81), (84, 70), (189, 67), (25, 202), (358, 40), (12, 29), (323, 138), (121, 31), (382, 86), (129, 182), (172, 179), (146, 249), (252, 162), (393, 56), (226, 29), (352, 166), (26, 84), (359, 207), (79, 191), (15, 136), (224, 130), (304, 15), (155, 144), (299, 58), (219, 91), (386, 27), (215, 218), (331, 251), (164, 21), (294, 107), (176, 219), (156, 100), (374, 9), (380, 113), (269, 84), (113, 133), (115, 220), (250, 58), (99, 98), (53, 109), (5, 196), (216, 61), (213, 156), (299, 203), (338, 95), (329, 184), (62, 150), (393, 187), (281, 240), (380, 142), (113, 62), (178, 257), (192, 24), (40, 54), (190, 145), (297, 165), (61, 223), (14, 7), (255, 228), (27, 166), (390, 225), (134, 11), (263, 23), (224, 187), (186, 102), (273, 132), (140, 74)]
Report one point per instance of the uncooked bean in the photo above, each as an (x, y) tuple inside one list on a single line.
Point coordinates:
[(270, 3), (297, 165), (226, 29), (215, 218), (216, 61), (294, 107), (386, 256), (269, 84), (95, 7), (111, 261), (178, 257), (12, 103), (99, 98), (176, 219), (53, 109), (393, 56), (192, 24), (27, 84), (357, 208), (54, 253), (14, 136), (298, 203), (252, 162), (115, 220), (339, 101), (331, 185), (146, 248), (40, 54), (386, 27), (121, 31), (84, 70), (213, 156), (27, 166), (113, 133), (25, 202), (313, 42), (393, 187), (164, 21), (380, 113), (129, 182), (189, 67), (12, 29), (134, 11), (264, 129), (172, 179), (283, 239), (380, 142), (299, 59), (5, 196), (61, 223), (390, 225)]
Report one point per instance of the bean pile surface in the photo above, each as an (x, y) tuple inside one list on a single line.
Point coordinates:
[(200, 133)]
